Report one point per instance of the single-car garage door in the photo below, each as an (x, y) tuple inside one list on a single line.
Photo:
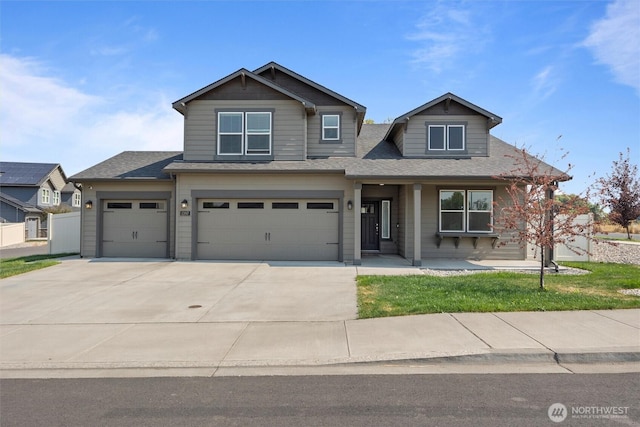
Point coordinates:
[(245, 229), (134, 228)]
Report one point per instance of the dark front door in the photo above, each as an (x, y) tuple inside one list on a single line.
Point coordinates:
[(370, 226)]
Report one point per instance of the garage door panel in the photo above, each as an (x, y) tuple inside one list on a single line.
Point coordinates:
[(134, 228), (288, 232)]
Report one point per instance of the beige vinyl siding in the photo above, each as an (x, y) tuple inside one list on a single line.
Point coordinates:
[(57, 180), (186, 183), (476, 134), (347, 145), (89, 243), (288, 131)]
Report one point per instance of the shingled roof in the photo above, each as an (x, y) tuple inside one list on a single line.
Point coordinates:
[(376, 159), (25, 174), (131, 165)]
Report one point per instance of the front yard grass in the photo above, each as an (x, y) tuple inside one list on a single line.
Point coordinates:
[(14, 266), (383, 296)]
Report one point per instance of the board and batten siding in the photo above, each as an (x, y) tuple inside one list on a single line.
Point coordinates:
[(346, 147), (415, 138), (186, 183), (288, 132), (89, 218)]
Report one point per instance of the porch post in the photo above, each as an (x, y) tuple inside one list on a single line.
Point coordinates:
[(357, 230), (417, 219)]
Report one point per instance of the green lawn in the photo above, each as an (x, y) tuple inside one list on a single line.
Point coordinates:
[(382, 296), (14, 266)]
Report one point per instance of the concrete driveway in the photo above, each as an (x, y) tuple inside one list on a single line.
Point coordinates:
[(118, 291)]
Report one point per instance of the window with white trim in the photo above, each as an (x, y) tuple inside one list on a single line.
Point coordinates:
[(446, 137), (241, 133), (466, 211), (330, 127), (385, 212), (56, 198), (77, 200), (45, 196)]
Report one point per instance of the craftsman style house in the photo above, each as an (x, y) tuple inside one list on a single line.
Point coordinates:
[(278, 167), (28, 190)]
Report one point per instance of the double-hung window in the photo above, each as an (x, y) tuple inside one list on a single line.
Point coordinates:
[(56, 198), (77, 199), (241, 133), (446, 137), (466, 211), (330, 127), (45, 196)]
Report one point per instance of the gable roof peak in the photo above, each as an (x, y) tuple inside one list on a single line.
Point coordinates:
[(181, 104)]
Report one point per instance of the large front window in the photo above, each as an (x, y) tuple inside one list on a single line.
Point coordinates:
[(244, 133), (466, 210)]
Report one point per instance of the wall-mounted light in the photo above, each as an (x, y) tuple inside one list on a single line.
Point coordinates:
[(349, 205), (88, 204), (184, 204)]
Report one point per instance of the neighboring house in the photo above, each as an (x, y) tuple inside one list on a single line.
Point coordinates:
[(27, 190), (278, 167)]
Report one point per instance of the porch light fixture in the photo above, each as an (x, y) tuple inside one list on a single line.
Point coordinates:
[(88, 204), (184, 204), (349, 205)]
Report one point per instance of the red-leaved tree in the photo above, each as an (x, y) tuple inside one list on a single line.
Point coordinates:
[(620, 192), (531, 214)]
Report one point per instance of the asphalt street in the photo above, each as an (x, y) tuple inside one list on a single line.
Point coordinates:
[(366, 400)]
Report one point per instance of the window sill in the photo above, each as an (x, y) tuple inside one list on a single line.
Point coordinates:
[(475, 236)]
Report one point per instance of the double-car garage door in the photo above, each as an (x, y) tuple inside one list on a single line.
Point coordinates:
[(269, 229)]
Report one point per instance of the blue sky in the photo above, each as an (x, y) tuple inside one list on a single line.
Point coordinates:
[(83, 81)]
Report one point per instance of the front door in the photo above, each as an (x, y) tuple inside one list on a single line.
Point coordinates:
[(370, 222)]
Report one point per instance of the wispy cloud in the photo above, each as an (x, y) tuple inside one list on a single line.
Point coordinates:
[(615, 41), (44, 119), (444, 34), (544, 83)]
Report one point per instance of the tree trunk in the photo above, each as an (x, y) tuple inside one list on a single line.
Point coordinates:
[(542, 268), (628, 232)]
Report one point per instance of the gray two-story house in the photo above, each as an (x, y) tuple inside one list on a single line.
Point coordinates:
[(28, 190), (278, 167)]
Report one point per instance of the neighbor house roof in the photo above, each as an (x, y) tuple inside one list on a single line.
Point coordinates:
[(19, 204), (26, 174)]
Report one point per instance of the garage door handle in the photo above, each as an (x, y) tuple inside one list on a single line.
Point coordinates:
[(267, 237)]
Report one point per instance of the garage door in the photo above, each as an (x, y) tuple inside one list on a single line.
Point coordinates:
[(268, 229), (134, 228)]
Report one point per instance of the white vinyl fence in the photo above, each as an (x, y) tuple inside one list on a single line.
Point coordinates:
[(64, 232), (11, 233), (563, 253)]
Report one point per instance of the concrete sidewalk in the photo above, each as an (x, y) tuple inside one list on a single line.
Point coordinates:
[(109, 325)]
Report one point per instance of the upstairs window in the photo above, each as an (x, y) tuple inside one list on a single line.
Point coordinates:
[(77, 200), (331, 127), (466, 211), (446, 137), (45, 196), (56, 198), (230, 133), (242, 133)]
